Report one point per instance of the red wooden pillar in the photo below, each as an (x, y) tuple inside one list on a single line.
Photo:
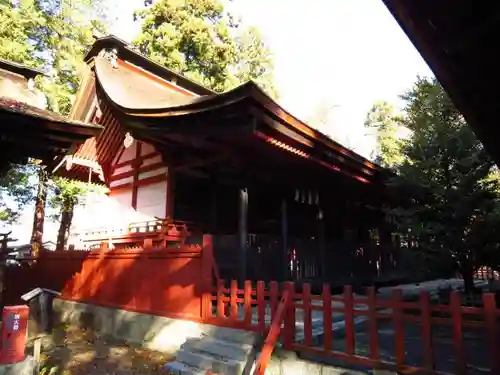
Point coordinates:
[(289, 321), (206, 276)]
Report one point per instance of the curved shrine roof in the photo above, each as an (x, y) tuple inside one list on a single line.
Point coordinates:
[(139, 100)]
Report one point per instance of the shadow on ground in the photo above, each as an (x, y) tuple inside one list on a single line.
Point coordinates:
[(79, 351)]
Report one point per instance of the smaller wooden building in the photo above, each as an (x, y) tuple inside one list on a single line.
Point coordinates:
[(26, 128)]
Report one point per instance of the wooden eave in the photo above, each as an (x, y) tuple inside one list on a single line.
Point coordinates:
[(20, 69), (245, 112), (459, 41), (28, 131)]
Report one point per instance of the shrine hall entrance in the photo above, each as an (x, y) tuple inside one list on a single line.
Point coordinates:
[(274, 232)]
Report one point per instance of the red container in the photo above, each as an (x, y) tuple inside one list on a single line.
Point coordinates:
[(14, 325)]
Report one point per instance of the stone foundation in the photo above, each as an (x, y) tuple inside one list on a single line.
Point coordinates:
[(148, 331), (26, 367)]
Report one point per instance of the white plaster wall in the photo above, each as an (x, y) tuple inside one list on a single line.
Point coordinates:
[(146, 148), (123, 181), (125, 168), (160, 171), (102, 212), (152, 199), (129, 153), (150, 161)]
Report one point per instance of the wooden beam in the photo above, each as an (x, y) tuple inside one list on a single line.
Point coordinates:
[(170, 194), (135, 167), (194, 163)]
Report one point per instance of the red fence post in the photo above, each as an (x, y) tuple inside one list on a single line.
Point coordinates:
[(399, 333), (327, 317), (490, 318), (456, 317), (349, 320), (206, 276), (306, 306), (261, 306), (220, 299), (372, 324), (426, 327), (247, 298), (273, 300), (233, 299), (289, 322)]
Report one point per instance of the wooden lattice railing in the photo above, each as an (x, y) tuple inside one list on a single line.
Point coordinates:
[(145, 233), (469, 336)]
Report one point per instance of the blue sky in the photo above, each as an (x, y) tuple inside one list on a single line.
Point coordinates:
[(349, 53)]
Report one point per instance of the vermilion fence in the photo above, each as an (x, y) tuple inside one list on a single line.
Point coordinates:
[(437, 325), (165, 281), (178, 281)]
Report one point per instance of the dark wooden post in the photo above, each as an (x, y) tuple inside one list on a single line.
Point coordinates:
[(284, 240), (321, 240), (213, 204), (170, 194), (243, 231)]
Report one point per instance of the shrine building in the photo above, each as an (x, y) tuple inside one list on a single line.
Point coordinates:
[(282, 200)]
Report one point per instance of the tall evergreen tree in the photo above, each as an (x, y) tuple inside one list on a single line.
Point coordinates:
[(52, 35), (382, 118), (453, 210), (199, 39)]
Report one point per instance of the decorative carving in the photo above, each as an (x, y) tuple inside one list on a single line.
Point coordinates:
[(31, 84), (111, 55), (69, 162), (128, 141)]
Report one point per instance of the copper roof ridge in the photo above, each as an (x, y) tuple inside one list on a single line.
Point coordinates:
[(111, 40)]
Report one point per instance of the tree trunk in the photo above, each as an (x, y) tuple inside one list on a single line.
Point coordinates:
[(39, 217), (467, 273), (64, 226)]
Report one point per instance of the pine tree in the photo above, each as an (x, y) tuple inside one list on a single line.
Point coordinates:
[(198, 39), (453, 206)]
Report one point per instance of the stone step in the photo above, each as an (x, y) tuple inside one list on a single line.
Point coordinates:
[(238, 336), (178, 368), (206, 361), (226, 349)]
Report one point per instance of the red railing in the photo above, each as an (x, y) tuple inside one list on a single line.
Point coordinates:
[(157, 232), (436, 325), (272, 336)]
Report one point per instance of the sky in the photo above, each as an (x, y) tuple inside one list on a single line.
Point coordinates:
[(345, 53)]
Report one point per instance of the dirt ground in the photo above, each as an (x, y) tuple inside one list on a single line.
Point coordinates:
[(75, 351)]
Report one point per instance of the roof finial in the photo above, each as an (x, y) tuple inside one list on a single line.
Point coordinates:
[(111, 55)]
